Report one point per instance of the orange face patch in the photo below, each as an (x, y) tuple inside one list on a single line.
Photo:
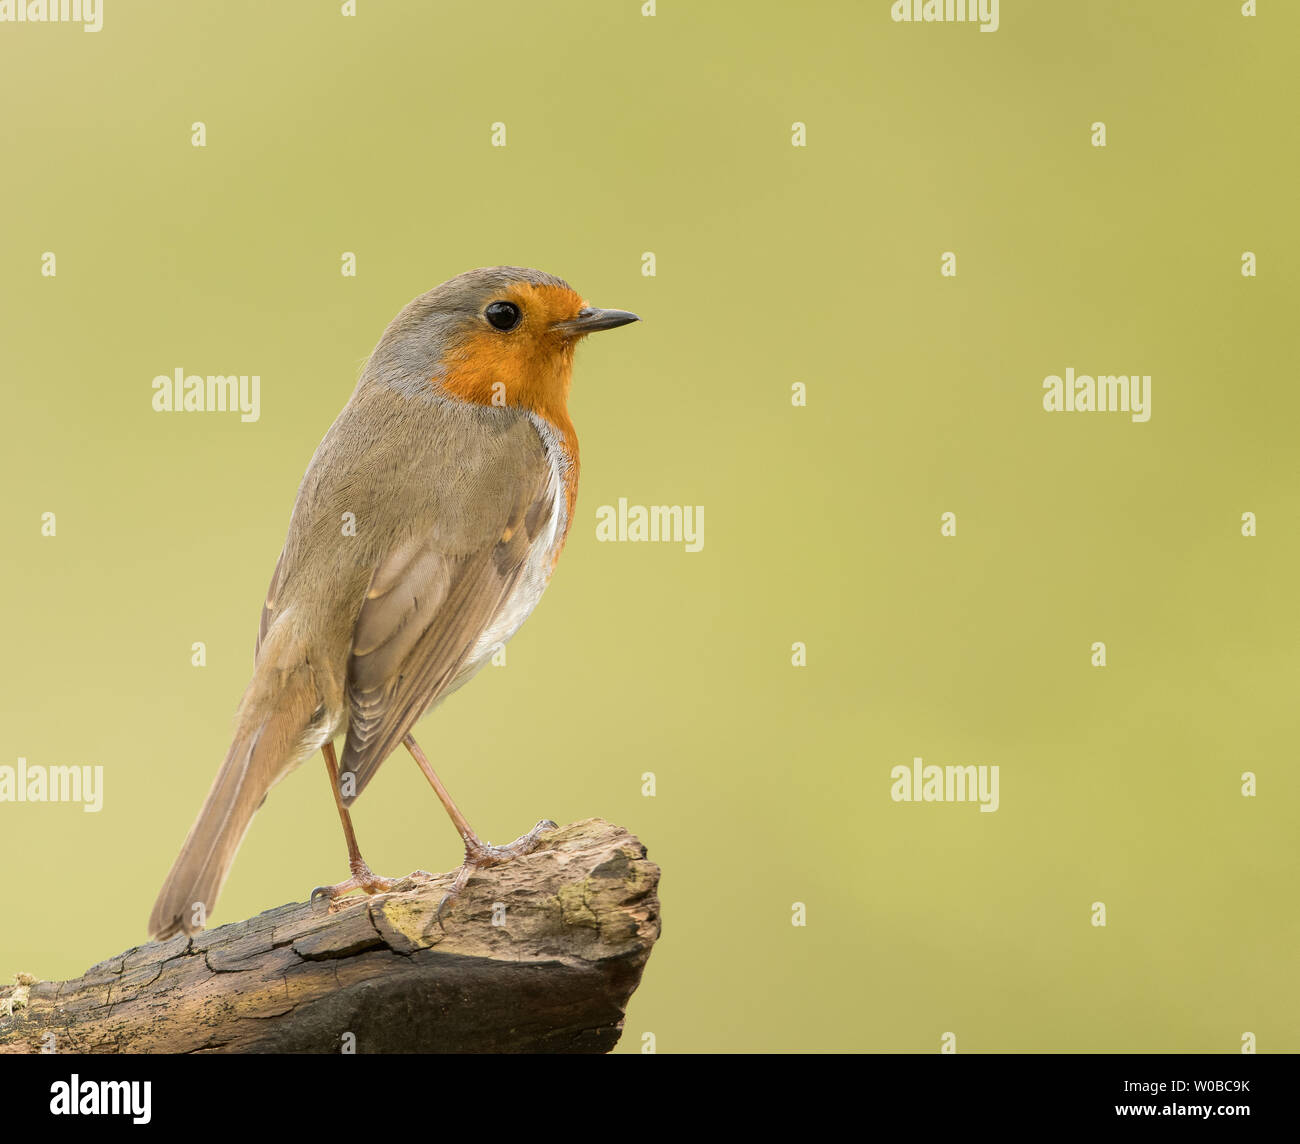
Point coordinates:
[(530, 366)]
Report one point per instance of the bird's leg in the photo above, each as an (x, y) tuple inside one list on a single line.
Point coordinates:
[(363, 878), (479, 855)]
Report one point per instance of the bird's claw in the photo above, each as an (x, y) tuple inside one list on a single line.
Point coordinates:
[(481, 855), (368, 882), (484, 854)]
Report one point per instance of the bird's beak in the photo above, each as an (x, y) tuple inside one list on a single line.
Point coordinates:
[(589, 320)]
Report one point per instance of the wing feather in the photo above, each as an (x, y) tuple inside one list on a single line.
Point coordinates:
[(423, 613)]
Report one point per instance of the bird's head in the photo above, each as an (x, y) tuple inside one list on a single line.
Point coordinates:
[(501, 335)]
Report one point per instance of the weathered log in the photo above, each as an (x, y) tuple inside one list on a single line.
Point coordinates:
[(539, 954)]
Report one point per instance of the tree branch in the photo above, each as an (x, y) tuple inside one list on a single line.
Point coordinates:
[(539, 954)]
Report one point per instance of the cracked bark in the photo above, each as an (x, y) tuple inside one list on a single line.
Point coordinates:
[(578, 918)]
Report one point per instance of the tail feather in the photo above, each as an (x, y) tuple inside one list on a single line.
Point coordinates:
[(265, 749)]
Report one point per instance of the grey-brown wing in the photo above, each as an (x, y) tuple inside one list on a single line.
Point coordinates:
[(424, 610)]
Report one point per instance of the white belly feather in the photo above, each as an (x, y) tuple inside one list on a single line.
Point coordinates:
[(532, 580)]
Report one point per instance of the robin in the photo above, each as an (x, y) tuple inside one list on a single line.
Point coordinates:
[(425, 530)]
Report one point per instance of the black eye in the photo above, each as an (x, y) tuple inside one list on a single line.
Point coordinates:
[(503, 315)]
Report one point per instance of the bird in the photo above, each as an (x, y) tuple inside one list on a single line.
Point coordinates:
[(424, 532)]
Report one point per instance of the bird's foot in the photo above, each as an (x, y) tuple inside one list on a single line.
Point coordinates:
[(481, 855), (368, 882)]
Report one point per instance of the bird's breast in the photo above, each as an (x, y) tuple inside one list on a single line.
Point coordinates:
[(528, 589)]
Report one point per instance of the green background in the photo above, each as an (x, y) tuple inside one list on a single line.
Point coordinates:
[(775, 264)]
